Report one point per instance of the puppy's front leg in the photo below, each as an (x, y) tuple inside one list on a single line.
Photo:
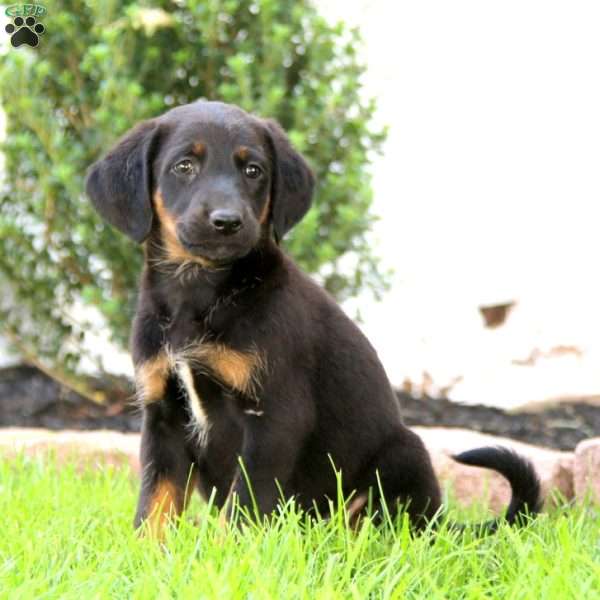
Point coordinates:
[(167, 476), (166, 465), (269, 456)]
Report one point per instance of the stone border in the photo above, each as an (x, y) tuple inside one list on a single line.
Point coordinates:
[(573, 475)]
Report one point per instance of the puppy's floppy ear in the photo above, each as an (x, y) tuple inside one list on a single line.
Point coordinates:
[(120, 184), (293, 182)]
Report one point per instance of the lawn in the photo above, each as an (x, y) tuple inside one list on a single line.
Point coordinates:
[(67, 533)]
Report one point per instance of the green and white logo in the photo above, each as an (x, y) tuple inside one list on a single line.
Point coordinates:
[(25, 27)]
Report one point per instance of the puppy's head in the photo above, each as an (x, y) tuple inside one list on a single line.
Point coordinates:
[(207, 179)]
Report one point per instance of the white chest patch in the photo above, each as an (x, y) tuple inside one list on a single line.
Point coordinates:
[(200, 422)]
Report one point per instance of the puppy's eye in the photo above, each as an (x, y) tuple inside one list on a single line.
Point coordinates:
[(252, 171), (183, 167)]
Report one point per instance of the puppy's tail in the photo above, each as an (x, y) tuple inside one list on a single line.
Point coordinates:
[(526, 495)]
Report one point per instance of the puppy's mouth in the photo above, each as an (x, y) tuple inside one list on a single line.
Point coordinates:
[(219, 253)]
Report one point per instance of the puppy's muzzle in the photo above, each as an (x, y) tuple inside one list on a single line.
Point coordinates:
[(225, 221)]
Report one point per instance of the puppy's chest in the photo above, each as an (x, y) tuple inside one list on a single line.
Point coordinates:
[(216, 380), (211, 378)]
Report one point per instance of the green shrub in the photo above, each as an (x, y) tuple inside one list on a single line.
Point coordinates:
[(102, 66)]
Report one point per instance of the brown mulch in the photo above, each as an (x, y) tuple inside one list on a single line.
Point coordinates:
[(28, 398)]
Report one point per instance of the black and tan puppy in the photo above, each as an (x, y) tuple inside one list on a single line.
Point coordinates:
[(238, 354)]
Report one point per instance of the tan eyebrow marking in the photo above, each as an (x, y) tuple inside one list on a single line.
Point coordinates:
[(198, 149), (243, 153)]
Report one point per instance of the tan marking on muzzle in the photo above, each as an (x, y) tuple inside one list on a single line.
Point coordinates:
[(168, 228), (264, 215)]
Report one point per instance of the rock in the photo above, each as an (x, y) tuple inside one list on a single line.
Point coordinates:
[(586, 470), (471, 484), (83, 447)]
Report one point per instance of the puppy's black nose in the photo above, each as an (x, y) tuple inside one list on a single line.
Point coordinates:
[(226, 221)]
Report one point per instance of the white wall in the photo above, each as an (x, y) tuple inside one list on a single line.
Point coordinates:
[(488, 190)]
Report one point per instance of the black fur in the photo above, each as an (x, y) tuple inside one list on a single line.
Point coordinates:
[(517, 470), (292, 180), (320, 394), (119, 186)]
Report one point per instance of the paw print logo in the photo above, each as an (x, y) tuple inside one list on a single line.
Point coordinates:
[(25, 31)]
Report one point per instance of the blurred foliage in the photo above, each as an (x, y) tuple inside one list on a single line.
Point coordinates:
[(100, 67)]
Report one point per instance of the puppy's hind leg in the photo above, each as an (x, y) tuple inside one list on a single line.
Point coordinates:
[(401, 474)]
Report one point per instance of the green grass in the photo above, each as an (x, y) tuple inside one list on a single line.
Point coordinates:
[(66, 533)]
